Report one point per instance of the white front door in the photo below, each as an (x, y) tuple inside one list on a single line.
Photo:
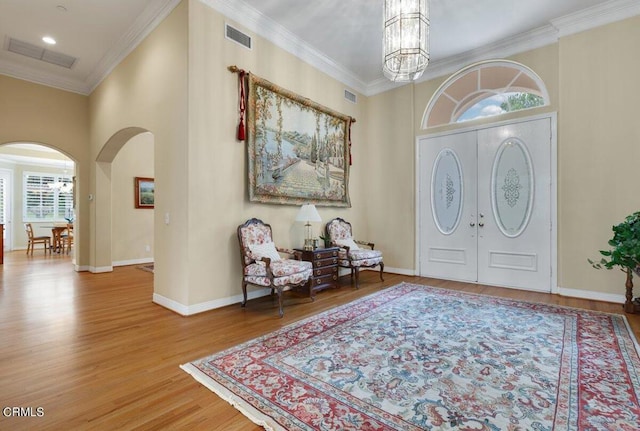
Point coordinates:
[(447, 178), (504, 221)]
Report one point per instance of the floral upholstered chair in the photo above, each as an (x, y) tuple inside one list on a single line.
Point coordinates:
[(351, 255), (262, 264)]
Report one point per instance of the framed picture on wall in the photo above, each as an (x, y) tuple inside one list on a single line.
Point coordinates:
[(144, 192)]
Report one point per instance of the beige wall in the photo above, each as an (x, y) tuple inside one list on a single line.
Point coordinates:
[(147, 91), (389, 196), (599, 148), (132, 238), (218, 197), (58, 119)]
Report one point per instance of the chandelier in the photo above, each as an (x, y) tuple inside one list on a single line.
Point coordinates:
[(405, 39), (62, 186)]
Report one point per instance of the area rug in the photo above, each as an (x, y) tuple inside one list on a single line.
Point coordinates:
[(413, 357)]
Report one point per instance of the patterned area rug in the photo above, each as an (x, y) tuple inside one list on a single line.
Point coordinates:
[(413, 357)]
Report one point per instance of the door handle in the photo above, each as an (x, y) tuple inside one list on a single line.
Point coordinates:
[(481, 224), (472, 224)]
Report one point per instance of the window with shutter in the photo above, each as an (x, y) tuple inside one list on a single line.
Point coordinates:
[(44, 200)]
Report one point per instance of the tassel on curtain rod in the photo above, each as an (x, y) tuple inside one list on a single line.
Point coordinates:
[(241, 81), (241, 132), (235, 69)]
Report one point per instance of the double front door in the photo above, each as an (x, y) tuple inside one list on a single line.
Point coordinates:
[(485, 205)]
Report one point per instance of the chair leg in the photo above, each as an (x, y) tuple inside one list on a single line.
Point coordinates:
[(357, 271), (244, 293), (280, 310), (381, 270)]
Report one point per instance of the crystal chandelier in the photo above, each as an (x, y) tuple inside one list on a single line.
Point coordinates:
[(405, 39), (62, 186)]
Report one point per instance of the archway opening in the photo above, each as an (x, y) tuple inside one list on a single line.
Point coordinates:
[(128, 229), (37, 186)]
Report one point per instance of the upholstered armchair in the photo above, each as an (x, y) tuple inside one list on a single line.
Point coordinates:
[(351, 255), (262, 264)]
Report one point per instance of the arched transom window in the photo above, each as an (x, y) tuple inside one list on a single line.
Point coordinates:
[(484, 90)]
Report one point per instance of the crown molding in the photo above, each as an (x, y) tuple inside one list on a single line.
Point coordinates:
[(583, 20), (240, 12), (586, 19), (267, 28), (520, 43), (596, 16), (144, 24), (27, 73)]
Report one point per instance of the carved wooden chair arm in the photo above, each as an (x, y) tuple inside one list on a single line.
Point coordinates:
[(296, 254), (267, 263), (368, 244)]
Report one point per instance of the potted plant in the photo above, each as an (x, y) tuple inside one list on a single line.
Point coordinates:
[(625, 254), (327, 241)]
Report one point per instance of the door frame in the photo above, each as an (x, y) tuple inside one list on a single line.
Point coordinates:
[(552, 116), (8, 222)]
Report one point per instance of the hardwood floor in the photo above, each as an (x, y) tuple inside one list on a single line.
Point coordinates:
[(93, 352)]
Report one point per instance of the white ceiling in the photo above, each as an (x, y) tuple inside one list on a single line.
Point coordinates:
[(340, 37)]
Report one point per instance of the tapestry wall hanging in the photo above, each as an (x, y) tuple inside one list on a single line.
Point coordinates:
[(298, 150)]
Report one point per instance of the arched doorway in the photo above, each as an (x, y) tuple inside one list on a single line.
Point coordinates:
[(127, 231), (37, 186)]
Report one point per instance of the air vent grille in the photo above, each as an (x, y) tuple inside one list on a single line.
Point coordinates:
[(24, 48), (351, 97), (237, 36)]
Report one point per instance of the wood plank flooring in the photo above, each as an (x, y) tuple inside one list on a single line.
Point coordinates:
[(94, 353)]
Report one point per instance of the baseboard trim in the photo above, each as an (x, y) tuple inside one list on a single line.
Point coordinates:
[(189, 310), (99, 269), (391, 270), (589, 294), (128, 262)]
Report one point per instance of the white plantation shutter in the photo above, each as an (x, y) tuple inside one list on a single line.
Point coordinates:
[(41, 202), (65, 202)]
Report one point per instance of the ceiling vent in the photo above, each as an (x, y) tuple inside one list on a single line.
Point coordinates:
[(351, 97), (237, 36), (24, 48)]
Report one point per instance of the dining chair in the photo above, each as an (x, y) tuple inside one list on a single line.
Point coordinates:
[(66, 238), (33, 240)]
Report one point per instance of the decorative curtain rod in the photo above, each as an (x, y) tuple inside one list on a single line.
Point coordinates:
[(235, 69)]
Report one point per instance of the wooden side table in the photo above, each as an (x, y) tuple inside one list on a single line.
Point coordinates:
[(325, 267)]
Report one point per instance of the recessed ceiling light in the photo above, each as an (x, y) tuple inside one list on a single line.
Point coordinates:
[(49, 40)]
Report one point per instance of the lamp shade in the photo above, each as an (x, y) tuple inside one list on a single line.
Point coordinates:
[(308, 213)]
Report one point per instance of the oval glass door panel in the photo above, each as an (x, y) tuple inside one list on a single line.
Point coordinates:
[(512, 187), (446, 191)]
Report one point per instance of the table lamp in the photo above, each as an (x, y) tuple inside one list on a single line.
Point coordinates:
[(308, 213)]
